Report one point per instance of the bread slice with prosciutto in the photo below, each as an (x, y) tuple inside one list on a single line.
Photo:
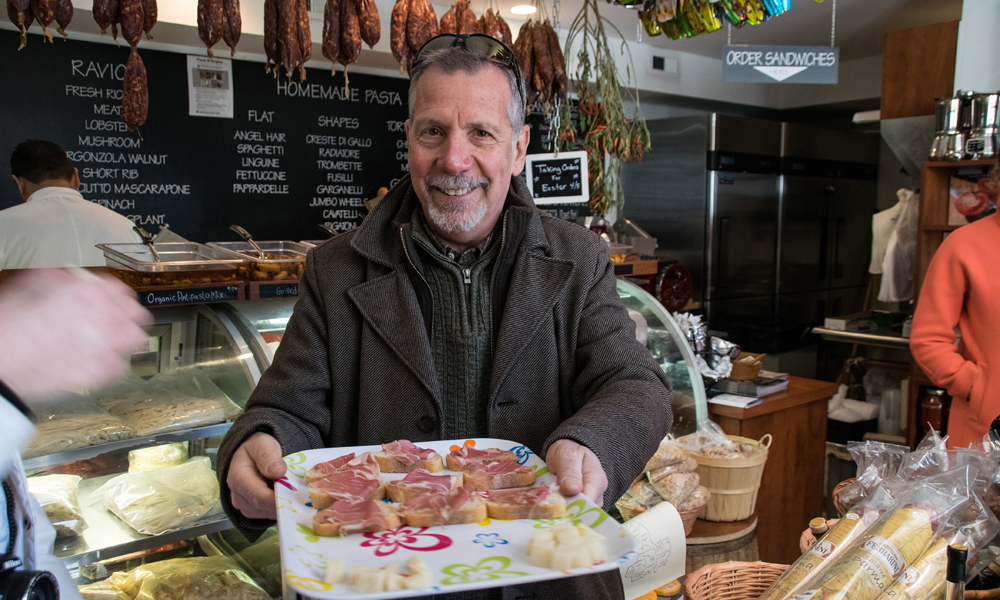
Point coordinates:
[(526, 503), (494, 476), (403, 456), (364, 464), (421, 482), (458, 506), (345, 517), (350, 486), (463, 458)]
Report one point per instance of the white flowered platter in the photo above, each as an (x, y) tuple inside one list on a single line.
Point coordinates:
[(491, 553)]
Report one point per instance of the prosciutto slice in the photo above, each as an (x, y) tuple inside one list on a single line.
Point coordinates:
[(325, 469), (525, 496), (442, 504), (420, 480), (407, 452), (346, 485), (467, 456), (353, 516), (497, 468)]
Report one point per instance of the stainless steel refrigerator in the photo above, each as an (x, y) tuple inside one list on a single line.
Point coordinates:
[(772, 219)]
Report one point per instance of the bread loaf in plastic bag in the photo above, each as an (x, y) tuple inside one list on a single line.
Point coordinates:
[(166, 500)]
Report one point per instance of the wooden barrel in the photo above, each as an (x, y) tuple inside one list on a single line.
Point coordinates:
[(711, 543)]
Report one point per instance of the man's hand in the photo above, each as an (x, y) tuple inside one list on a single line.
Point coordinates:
[(577, 469), (66, 328), (255, 464)]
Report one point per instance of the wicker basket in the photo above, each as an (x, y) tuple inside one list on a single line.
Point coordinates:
[(688, 517), (733, 482), (807, 539), (836, 494), (747, 366), (732, 580)]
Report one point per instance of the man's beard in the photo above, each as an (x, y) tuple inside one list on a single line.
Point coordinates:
[(455, 216)]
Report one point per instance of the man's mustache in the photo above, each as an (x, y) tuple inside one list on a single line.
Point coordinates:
[(454, 182)]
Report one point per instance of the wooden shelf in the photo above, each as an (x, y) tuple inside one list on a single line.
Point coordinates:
[(937, 227), (948, 164)]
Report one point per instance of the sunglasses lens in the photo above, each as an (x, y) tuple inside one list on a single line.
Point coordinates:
[(488, 47)]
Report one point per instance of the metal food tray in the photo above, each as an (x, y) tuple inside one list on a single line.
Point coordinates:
[(282, 248), (174, 256)]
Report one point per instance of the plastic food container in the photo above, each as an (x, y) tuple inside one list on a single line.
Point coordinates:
[(283, 260), (180, 263)]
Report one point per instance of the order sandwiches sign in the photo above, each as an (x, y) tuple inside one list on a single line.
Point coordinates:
[(780, 64)]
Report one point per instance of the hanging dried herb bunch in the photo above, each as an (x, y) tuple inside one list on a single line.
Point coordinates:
[(604, 132)]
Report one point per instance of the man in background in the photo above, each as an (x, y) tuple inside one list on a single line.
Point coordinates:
[(56, 226)]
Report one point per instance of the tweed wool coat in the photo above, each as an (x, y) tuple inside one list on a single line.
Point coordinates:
[(355, 367)]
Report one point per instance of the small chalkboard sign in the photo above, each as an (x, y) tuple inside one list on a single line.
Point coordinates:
[(194, 295), (558, 179)]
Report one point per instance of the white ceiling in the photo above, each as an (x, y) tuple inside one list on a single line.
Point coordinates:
[(860, 24)]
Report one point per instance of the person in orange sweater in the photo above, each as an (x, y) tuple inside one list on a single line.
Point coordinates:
[(962, 288)]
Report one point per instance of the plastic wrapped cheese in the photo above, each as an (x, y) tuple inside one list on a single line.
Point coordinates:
[(201, 578), (157, 457), (166, 500), (57, 495)]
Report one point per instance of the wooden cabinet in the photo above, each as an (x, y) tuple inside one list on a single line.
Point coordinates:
[(935, 183), (791, 489)]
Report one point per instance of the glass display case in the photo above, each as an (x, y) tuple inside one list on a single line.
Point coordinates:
[(185, 387)]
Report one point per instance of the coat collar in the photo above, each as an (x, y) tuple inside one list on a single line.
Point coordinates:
[(377, 238)]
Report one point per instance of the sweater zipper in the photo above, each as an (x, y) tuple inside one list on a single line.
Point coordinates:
[(468, 275)]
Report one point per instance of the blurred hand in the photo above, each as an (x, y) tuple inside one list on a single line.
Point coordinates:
[(255, 464), (577, 470), (66, 328)]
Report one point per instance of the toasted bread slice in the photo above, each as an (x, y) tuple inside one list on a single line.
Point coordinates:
[(388, 464), (322, 498), (484, 480), (402, 490), (463, 458), (472, 511), (552, 507), (326, 526)]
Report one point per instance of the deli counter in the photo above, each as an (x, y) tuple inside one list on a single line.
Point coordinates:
[(126, 472)]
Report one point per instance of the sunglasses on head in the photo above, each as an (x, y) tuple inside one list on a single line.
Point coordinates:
[(479, 44)]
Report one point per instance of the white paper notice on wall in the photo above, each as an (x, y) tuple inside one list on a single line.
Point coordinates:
[(662, 550), (210, 87)]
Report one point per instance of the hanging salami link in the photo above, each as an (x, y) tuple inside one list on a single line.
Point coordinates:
[(271, 36), (467, 22), (135, 93), (149, 14), (544, 69), (331, 32), (232, 24), (304, 36), (525, 53), (131, 20), (350, 33), (104, 13), (421, 25), (21, 17), (449, 24), (210, 20), (560, 83), (397, 30), (64, 15), (289, 52), (371, 24), (505, 35), (44, 12)]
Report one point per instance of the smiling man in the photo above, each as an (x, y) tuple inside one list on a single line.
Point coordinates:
[(456, 311)]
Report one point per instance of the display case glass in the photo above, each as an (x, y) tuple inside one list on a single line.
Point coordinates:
[(185, 387), (670, 349)]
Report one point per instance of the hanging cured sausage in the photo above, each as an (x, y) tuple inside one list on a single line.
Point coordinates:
[(44, 12), (271, 36), (131, 12), (20, 14), (149, 14), (210, 20), (135, 94), (232, 24), (331, 32)]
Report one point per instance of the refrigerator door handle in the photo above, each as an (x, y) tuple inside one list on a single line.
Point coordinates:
[(722, 277), (824, 243), (838, 266)]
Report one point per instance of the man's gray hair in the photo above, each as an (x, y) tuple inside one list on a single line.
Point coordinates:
[(455, 59)]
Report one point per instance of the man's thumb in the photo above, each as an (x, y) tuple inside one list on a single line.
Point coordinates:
[(265, 451)]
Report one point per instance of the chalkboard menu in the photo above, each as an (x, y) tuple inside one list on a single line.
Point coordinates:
[(295, 155), (557, 178)]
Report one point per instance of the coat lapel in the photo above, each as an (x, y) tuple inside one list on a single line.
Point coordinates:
[(536, 285), (389, 305)]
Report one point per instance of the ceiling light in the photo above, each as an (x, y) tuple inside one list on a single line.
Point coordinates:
[(523, 9)]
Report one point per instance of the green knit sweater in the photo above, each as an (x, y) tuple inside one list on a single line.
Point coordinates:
[(462, 331)]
